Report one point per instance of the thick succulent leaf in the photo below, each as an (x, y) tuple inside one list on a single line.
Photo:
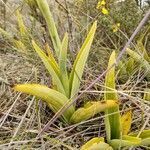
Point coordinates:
[(80, 61), (51, 67), (113, 121), (90, 110), (54, 99), (145, 136), (44, 8), (138, 58), (63, 65), (126, 141), (141, 47), (126, 120), (96, 144)]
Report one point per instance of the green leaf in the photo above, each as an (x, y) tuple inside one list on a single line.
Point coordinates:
[(50, 55), (141, 47), (130, 66), (91, 109), (126, 141), (44, 8), (126, 120), (63, 65), (80, 61), (51, 67), (146, 94), (54, 99), (138, 58), (112, 121), (145, 136), (96, 144)]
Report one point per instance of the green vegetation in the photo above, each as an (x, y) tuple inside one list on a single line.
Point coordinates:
[(101, 98)]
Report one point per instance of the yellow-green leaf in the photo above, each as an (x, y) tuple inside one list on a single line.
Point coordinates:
[(80, 61), (126, 120), (146, 95), (50, 55), (144, 134), (90, 110), (141, 47), (51, 67), (20, 46), (96, 144), (112, 119), (126, 141), (63, 65), (44, 8), (138, 58), (130, 65), (54, 99)]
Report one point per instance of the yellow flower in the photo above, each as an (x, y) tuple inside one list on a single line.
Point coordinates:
[(100, 3), (115, 27), (105, 11)]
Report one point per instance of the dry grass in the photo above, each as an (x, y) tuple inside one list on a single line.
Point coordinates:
[(22, 116)]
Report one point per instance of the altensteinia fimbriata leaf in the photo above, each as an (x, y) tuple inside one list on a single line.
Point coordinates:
[(126, 120), (54, 99), (63, 65), (44, 8), (96, 144), (126, 141), (87, 112), (112, 119), (51, 67), (80, 61)]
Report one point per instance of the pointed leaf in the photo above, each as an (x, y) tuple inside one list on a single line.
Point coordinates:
[(79, 64), (88, 112), (141, 47), (126, 141), (145, 135), (126, 121), (145, 64), (54, 99), (96, 144), (51, 57), (138, 58), (44, 8), (63, 64), (112, 121), (130, 66), (51, 67)]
